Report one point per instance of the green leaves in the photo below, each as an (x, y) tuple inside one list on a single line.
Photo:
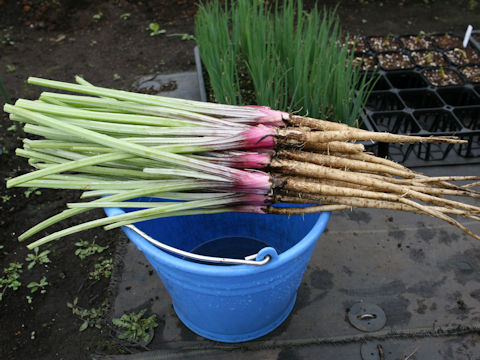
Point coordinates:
[(86, 249), (11, 274), (155, 29), (35, 286), (90, 317), (102, 269), (137, 327), (37, 258), (294, 61)]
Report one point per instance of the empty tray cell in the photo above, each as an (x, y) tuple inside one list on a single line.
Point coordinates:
[(383, 101), (447, 41), (459, 96), (437, 121), (471, 73), (384, 43), (442, 77), (397, 122), (469, 117), (394, 61), (406, 80), (420, 99), (460, 56), (424, 58), (381, 83), (417, 42)]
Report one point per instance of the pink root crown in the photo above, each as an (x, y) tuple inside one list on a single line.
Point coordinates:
[(253, 180), (252, 160), (270, 117), (256, 199), (259, 136)]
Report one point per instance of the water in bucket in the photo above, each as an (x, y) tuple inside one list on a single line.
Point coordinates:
[(233, 247)]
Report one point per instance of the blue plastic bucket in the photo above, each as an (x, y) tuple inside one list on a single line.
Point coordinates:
[(238, 302)]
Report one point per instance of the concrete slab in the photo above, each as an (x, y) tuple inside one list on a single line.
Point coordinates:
[(183, 85)]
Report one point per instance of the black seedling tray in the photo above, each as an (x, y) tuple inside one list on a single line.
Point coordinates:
[(404, 101)]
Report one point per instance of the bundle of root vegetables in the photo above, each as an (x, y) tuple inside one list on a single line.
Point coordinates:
[(205, 158)]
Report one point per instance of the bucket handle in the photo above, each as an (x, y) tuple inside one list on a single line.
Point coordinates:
[(254, 259)]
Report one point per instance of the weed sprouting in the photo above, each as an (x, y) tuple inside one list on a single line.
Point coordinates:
[(37, 258), (137, 327), (86, 249), (91, 317), (102, 269), (36, 286), (11, 274)]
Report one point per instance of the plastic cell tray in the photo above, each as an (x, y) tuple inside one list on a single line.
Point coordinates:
[(404, 101)]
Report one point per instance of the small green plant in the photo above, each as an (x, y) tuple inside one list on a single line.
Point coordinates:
[(37, 258), (125, 16), (5, 198), (462, 52), (155, 29), (98, 15), (32, 190), (12, 128), (90, 317), (184, 36), (11, 274), (93, 42), (10, 68), (6, 38), (29, 299), (429, 58), (102, 269), (420, 35), (387, 40), (35, 286), (442, 72), (138, 328), (87, 249)]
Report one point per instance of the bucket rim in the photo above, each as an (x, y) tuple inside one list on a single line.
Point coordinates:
[(168, 259)]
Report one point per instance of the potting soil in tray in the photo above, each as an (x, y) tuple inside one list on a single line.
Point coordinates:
[(427, 85)]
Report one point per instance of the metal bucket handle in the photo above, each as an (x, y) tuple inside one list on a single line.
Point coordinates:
[(259, 259)]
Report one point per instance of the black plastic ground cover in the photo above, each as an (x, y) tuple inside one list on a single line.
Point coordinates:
[(405, 100)]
